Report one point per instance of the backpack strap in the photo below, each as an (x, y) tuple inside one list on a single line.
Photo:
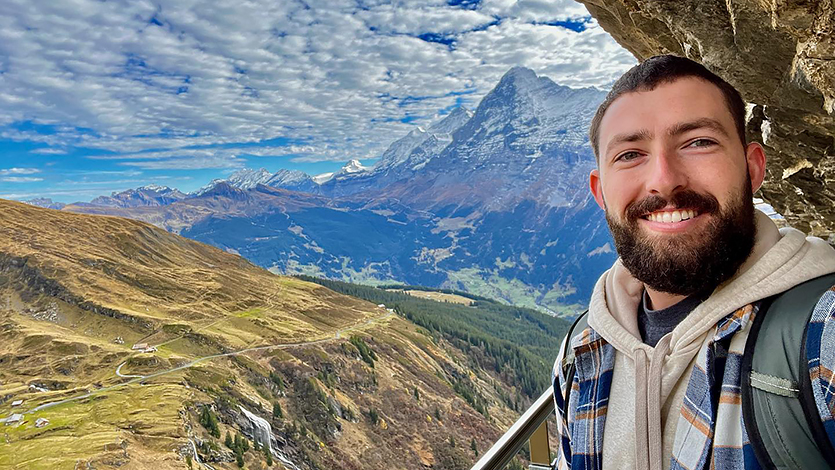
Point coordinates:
[(568, 366), (778, 406)]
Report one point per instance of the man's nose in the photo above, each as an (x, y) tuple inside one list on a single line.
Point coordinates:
[(666, 174)]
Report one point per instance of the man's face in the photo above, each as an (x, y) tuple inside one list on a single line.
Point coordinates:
[(676, 184)]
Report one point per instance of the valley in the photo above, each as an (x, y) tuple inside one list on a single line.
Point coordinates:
[(125, 346)]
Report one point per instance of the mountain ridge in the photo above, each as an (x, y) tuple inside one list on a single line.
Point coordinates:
[(492, 201)]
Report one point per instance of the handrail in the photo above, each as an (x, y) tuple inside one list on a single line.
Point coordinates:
[(509, 444)]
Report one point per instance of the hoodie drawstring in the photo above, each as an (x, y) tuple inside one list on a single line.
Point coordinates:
[(648, 432)]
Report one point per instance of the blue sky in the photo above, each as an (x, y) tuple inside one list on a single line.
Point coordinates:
[(97, 97)]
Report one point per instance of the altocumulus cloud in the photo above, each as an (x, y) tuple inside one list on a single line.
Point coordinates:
[(151, 81)]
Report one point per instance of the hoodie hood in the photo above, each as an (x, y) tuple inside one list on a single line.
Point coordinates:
[(780, 260)]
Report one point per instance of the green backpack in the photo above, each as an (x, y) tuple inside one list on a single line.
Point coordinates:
[(778, 407)]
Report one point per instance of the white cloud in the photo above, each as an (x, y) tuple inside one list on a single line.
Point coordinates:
[(19, 179), (49, 151), (132, 76), (19, 171)]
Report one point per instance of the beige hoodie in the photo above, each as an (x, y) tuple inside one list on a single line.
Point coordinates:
[(643, 413)]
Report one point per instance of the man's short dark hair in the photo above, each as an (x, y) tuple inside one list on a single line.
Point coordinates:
[(659, 70)]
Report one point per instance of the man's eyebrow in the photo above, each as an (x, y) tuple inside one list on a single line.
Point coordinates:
[(702, 123), (636, 136)]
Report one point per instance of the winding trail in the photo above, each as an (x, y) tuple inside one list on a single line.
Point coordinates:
[(139, 378)]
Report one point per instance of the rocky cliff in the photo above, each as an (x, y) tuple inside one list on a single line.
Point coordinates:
[(780, 54)]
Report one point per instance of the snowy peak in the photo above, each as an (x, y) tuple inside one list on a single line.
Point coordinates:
[(419, 145), (248, 179), (525, 117), (455, 119), (322, 178), (353, 166), (282, 178)]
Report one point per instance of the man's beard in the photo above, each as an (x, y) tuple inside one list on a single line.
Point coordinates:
[(689, 262)]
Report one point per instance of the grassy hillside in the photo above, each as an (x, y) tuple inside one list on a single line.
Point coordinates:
[(342, 382), (516, 342)]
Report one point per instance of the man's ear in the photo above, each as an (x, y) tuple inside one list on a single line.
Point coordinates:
[(755, 158), (596, 188)]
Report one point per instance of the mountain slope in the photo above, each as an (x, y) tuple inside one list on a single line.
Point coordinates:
[(493, 202), (343, 383)]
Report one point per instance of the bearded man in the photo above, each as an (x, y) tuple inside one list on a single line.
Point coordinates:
[(657, 365)]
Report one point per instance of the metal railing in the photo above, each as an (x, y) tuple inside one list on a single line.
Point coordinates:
[(531, 426)]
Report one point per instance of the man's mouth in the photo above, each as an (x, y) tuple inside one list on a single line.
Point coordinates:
[(671, 216)]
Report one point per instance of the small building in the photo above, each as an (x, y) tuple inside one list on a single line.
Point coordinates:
[(14, 419), (140, 346), (382, 305), (41, 422), (17, 402)]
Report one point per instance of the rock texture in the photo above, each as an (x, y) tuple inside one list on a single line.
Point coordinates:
[(780, 54)]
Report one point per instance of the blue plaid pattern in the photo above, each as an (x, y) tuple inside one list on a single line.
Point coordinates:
[(820, 352), (708, 433)]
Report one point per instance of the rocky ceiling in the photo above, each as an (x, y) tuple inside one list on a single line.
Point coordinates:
[(780, 54)]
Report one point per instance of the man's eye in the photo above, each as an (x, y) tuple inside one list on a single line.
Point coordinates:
[(701, 143), (627, 156)]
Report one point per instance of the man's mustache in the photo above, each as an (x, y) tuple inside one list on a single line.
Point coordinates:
[(686, 199)]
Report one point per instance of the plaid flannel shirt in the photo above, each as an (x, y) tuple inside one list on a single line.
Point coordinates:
[(704, 439)]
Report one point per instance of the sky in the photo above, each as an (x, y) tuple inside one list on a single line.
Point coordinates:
[(98, 97)]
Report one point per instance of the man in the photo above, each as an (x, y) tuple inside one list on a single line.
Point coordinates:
[(657, 369)]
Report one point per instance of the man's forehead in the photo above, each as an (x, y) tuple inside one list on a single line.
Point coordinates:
[(667, 105)]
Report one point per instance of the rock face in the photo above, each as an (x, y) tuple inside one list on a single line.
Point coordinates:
[(781, 56)]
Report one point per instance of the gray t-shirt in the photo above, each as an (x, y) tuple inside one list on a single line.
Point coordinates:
[(654, 324)]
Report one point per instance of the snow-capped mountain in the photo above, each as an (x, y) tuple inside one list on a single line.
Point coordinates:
[(420, 145), (527, 115), (242, 179), (248, 179), (143, 196), (492, 201)]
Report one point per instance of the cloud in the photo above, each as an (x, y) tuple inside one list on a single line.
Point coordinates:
[(19, 171), (130, 77), (49, 151), (19, 179)]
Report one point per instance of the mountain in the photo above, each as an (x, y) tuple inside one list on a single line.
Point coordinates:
[(418, 146), (46, 203), (492, 201), (150, 195), (247, 179), (132, 347)]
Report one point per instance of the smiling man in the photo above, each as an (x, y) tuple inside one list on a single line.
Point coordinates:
[(659, 373)]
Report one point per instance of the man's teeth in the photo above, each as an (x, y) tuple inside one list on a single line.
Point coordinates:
[(671, 216)]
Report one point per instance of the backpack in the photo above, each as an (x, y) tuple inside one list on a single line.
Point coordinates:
[(778, 406)]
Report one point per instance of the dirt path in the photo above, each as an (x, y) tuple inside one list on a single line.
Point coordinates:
[(138, 378)]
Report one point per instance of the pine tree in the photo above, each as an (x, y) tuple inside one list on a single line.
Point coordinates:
[(474, 447), (417, 394), (277, 412), (239, 458), (228, 441), (269, 456), (188, 460)]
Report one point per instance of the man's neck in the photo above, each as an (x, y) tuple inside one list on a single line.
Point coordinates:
[(661, 300)]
